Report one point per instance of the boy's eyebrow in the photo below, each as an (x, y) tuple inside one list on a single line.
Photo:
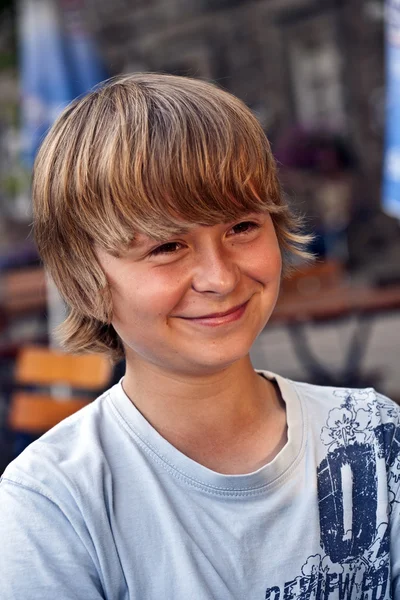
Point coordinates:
[(143, 239)]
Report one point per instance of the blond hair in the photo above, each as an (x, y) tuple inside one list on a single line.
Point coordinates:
[(146, 153)]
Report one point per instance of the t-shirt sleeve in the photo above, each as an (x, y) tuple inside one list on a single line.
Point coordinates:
[(392, 458), (395, 550), (41, 554)]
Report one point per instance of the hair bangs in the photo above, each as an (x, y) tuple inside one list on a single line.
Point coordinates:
[(184, 167)]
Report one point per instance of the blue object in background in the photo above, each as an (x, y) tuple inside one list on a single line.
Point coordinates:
[(58, 62), (391, 170)]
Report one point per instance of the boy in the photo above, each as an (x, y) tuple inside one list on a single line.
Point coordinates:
[(159, 215)]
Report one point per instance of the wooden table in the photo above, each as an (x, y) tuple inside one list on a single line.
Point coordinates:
[(335, 302), (312, 299)]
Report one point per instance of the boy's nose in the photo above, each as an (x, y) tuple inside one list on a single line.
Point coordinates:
[(215, 272)]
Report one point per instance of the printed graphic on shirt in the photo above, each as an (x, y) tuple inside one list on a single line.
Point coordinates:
[(357, 482)]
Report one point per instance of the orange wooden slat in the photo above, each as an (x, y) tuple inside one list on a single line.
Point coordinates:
[(43, 366), (36, 413)]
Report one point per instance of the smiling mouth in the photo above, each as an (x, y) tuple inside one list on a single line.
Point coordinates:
[(220, 317)]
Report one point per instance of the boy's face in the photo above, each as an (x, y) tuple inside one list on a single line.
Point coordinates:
[(195, 303)]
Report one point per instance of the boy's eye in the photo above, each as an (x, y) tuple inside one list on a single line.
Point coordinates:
[(168, 248), (244, 227)]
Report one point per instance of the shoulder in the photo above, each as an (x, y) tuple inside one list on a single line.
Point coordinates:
[(348, 416), (331, 398), (364, 407), (53, 464)]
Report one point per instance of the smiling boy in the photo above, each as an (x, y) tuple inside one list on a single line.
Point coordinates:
[(159, 215)]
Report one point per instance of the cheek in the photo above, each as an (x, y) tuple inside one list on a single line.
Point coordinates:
[(267, 266), (147, 296), (276, 263)]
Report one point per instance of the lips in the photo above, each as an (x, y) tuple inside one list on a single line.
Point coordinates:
[(218, 315)]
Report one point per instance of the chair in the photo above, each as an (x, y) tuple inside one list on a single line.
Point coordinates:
[(64, 383)]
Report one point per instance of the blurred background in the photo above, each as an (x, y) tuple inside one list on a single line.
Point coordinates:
[(323, 78)]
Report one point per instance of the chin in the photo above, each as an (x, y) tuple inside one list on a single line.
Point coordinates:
[(203, 370), (213, 362)]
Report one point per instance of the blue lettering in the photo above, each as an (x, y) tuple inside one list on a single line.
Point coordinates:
[(346, 585), (339, 544), (319, 585), (312, 585), (288, 591), (304, 589), (380, 580), (331, 583), (275, 591)]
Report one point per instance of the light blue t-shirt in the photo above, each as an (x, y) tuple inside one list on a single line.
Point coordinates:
[(102, 507)]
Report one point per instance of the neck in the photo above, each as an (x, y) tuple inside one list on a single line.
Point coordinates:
[(212, 418)]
